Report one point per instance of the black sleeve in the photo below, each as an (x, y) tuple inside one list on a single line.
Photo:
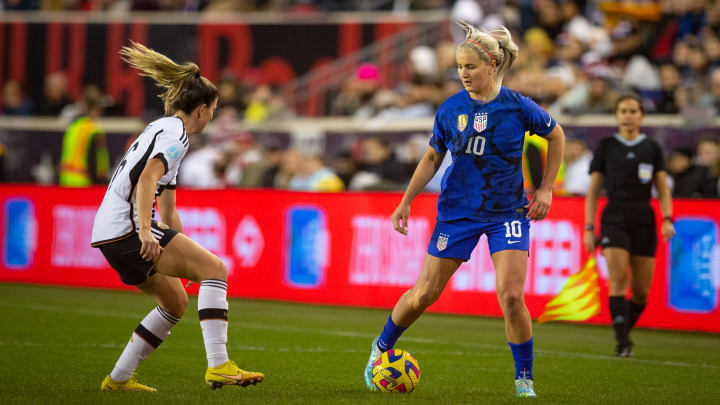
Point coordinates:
[(598, 162), (161, 156)]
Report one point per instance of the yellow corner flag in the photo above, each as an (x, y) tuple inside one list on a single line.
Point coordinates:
[(579, 298)]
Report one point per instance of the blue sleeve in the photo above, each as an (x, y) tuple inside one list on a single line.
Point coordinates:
[(537, 120), (437, 140)]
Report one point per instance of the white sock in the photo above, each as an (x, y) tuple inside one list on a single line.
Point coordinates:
[(147, 337), (212, 311)]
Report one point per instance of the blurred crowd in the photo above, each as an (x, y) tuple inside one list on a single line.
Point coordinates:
[(286, 6), (576, 57)]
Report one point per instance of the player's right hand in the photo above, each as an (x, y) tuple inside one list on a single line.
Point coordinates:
[(590, 241), (150, 248), (400, 218)]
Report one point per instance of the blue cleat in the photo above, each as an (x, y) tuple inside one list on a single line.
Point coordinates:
[(374, 354), (524, 388)]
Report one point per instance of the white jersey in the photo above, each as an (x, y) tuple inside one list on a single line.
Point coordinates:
[(164, 139)]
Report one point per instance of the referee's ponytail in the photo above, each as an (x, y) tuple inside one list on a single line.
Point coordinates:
[(185, 88)]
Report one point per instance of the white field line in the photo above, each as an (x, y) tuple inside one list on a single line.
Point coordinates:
[(500, 350)]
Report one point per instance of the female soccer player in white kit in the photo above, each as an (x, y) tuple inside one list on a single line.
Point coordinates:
[(152, 255), (483, 127)]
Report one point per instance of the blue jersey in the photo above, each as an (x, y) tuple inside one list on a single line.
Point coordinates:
[(485, 180)]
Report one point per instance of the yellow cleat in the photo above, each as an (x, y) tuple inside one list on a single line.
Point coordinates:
[(109, 384), (229, 373)]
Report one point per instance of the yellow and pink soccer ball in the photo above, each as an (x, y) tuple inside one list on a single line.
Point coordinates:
[(395, 371)]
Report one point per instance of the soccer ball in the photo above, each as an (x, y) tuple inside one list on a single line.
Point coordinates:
[(395, 371)]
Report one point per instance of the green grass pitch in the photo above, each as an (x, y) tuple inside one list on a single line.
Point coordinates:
[(57, 344)]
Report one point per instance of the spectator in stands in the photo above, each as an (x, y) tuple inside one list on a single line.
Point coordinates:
[(345, 166), (239, 153), (356, 99), (55, 97), (228, 93), (670, 80), (714, 97), (379, 170), (200, 166), (708, 154), (14, 100), (313, 175), (263, 172), (577, 165), (85, 160), (689, 180)]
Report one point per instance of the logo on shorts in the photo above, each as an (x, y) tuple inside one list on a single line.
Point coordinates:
[(442, 242), (162, 225), (480, 122), (462, 122)]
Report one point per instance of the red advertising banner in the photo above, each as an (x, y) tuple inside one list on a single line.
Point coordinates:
[(340, 249)]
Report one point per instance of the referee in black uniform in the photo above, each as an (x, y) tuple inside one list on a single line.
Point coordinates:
[(627, 165)]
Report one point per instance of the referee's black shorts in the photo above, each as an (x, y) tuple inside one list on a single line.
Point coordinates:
[(629, 225), (124, 255)]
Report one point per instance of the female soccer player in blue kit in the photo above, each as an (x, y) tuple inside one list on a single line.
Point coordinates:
[(483, 126)]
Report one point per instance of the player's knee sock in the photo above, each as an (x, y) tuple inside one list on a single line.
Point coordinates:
[(523, 356), (213, 314), (619, 314), (390, 334), (634, 312), (148, 335)]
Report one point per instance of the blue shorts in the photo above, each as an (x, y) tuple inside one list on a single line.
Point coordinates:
[(457, 238)]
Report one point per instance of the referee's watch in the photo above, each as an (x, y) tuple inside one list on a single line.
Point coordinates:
[(589, 227), (669, 219)]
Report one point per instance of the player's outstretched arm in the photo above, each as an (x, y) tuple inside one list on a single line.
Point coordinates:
[(425, 170), (542, 197)]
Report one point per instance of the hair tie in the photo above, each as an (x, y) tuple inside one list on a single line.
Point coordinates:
[(197, 74), (482, 47)]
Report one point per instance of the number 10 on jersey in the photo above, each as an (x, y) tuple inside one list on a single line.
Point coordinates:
[(476, 145)]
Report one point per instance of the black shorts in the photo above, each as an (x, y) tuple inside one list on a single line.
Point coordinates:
[(124, 255), (630, 226)]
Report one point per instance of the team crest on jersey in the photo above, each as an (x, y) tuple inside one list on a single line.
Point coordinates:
[(480, 122), (462, 122), (162, 225), (442, 242)]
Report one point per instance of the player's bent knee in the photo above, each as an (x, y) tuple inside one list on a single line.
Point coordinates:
[(420, 300), (176, 305), (216, 270)]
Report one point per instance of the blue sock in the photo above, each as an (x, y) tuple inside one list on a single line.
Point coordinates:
[(523, 356), (389, 335)]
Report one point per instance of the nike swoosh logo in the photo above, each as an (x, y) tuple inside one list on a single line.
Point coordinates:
[(510, 242), (549, 122), (238, 377)]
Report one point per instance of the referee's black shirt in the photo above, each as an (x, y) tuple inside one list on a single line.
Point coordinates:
[(628, 166)]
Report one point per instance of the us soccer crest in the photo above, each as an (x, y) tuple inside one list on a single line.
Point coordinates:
[(462, 122), (441, 242), (480, 122)]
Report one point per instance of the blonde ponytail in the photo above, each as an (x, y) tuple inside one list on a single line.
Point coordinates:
[(174, 78)]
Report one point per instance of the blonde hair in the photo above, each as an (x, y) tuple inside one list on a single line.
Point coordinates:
[(495, 45), (185, 88)]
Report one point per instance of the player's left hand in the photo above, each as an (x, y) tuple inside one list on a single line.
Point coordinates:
[(668, 230), (539, 205)]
